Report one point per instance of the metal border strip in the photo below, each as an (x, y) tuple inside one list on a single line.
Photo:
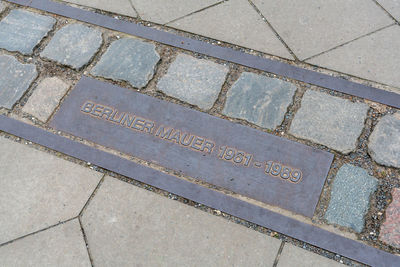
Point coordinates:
[(224, 53), (308, 233)]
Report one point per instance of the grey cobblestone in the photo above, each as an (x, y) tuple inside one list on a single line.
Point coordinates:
[(15, 79), (73, 45), (128, 60), (328, 120), (196, 81), (22, 30), (350, 195), (384, 142), (45, 98), (259, 99)]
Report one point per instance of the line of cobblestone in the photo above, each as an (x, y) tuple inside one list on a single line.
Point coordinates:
[(319, 117)]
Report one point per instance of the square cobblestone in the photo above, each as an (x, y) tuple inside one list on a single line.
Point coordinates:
[(328, 120), (15, 79), (22, 30), (46, 98), (390, 229), (196, 81), (73, 45), (384, 142), (350, 195), (259, 99), (128, 60)]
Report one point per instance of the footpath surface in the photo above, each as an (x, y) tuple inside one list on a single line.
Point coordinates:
[(58, 210)]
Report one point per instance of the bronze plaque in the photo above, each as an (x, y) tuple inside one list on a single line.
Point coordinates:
[(255, 164)]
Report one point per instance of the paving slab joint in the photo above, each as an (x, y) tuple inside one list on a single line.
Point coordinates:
[(194, 12), (387, 12), (85, 239), (343, 44), (92, 195), (136, 11), (278, 254), (275, 32), (38, 231)]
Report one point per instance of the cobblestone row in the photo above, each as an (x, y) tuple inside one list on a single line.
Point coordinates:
[(332, 121)]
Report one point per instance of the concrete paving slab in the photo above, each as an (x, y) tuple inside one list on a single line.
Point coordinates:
[(390, 229), (373, 57), (73, 45), (196, 81), (392, 6), (350, 195), (384, 142), (313, 26), (46, 98), (123, 7), (62, 245), (328, 120), (161, 11), (294, 256), (259, 99), (38, 190), (128, 60), (125, 224), (22, 30), (15, 79), (231, 22)]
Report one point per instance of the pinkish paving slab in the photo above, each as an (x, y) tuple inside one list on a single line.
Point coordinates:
[(390, 230)]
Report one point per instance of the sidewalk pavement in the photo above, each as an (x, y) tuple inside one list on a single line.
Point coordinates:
[(358, 38), (57, 210)]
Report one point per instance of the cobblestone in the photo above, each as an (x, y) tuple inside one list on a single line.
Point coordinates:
[(128, 60), (45, 98), (196, 81), (73, 45), (22, 30), (390, 229), (15, 79), (350, 195), (331, 121), (259, 99), (384, 142)]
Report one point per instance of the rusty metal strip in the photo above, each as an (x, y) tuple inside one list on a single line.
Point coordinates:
[(310, 234), (224, 53)]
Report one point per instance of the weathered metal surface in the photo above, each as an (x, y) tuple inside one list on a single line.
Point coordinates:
[(224, 53), (308, 233), (244, 160)]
